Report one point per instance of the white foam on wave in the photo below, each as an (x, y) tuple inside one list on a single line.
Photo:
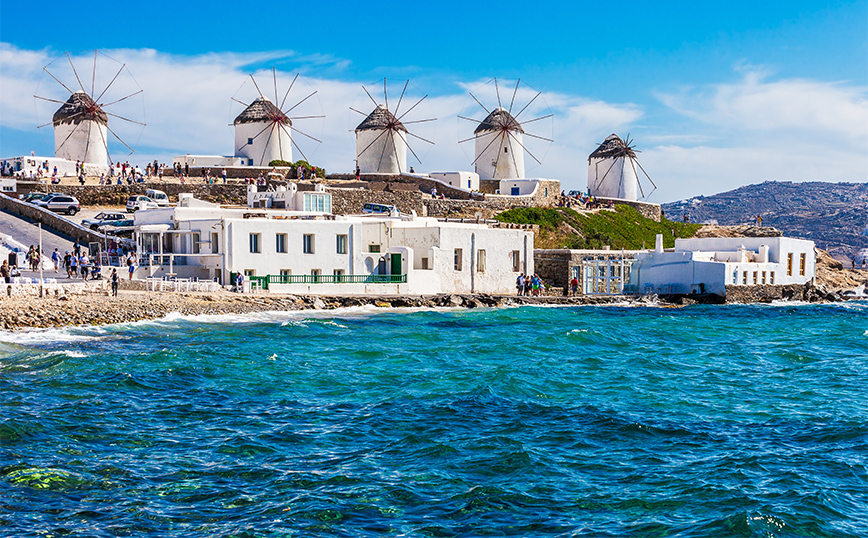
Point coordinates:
[(28, 337)]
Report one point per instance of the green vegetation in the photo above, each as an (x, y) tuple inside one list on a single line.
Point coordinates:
[(293, 173), (623, 228)]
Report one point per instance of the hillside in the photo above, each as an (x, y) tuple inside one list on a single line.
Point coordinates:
[(833, 215), (621, 228)]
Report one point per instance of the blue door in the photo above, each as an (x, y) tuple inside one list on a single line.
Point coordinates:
[(515, 191)]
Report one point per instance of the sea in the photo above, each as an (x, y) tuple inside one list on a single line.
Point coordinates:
[(603, 421)]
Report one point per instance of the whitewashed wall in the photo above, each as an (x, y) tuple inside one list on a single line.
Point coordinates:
[(391, 146), (491, 160), (613, 178), (86, 142), (274, 143)]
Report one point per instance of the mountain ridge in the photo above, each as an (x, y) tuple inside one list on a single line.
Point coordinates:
[(833, 215)]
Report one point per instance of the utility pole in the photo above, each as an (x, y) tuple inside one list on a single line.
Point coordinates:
[(41, 261)]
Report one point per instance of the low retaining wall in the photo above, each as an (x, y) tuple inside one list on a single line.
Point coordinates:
[(647, 210), (51, 220), (117, 195)]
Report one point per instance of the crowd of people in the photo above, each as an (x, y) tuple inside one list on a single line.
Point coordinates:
[(529, 285), (581, 200)]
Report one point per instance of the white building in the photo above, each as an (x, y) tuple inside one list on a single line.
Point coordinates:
[(381, 144), (312, 251), (459, 180), (708, 265), (80, 133), (613, 171), (262, 134), (499, 153), (213, 161)]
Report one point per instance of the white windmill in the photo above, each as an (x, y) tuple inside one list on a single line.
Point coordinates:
[(382, 137), (263, 131), (499, 138), (81, 123), (613, 170)]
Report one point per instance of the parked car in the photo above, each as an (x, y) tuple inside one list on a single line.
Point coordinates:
[(35, 196), (62, 203), (101, 219), (138, 201), (120, 228), (378, 209), (159, 197)]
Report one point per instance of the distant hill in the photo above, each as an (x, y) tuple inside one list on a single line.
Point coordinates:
[(833, 215)]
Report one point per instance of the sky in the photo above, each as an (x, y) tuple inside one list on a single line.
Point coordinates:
[(713, 96)]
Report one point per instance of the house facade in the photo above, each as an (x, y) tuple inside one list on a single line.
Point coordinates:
[(709, 265), (305, 249)]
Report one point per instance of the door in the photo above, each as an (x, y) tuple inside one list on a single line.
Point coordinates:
[(396, 264), (515, 191)]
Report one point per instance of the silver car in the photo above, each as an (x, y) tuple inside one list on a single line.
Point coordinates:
[(62, 203)]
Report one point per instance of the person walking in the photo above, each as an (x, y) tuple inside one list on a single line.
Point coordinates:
[(224, 176), (116, 280), (239, 282), (6, 273), (55, 259), (131, 262)]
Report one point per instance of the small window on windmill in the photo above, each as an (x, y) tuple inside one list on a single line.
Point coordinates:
[(249, 141), (505, 149)]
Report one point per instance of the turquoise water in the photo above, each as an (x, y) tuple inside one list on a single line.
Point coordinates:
[(589, 421)]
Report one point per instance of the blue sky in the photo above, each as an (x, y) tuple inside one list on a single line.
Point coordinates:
[(714, 96)]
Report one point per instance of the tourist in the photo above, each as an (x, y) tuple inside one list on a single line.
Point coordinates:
[(96, 269), (73, 266), (519, 283), (115, 282), (83, 265), (574, 286), (131, 262), (239, 282), (6, 273), (412, 171), (434, 192), (224, 176), (55, 259), (76, 248), (358, 173)]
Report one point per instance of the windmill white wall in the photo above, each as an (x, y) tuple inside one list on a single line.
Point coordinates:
[(274, 143), (392, 146), (85, 142), (613, 177), (499, 152)]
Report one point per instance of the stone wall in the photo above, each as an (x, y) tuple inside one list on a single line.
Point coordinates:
[(766, 293), (232, 172), (647, 210), (117, 195)]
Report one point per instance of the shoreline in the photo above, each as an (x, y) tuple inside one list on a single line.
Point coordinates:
[(28, 312)]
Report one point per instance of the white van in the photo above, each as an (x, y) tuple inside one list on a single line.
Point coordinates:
[(158, 196)]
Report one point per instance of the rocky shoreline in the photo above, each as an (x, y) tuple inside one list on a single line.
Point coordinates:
[(98, 309)]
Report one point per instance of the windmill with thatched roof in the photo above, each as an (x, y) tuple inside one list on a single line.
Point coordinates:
[(263, 130), (499, 138), (613, 170), (382, 137), (81, 123)]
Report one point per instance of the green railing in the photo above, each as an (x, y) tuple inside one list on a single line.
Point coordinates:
[(262, 282), (336, 279)]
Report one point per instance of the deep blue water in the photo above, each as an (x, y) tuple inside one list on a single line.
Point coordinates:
[(589, 421)]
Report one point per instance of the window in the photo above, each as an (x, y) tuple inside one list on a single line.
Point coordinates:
[(764, 277), (803, 259), (480, 261), (754, 277), (195, 242), (285, 272), (339, 273), (215, 244), (772, 278), (315, 273), (790, 264), (373, 248), (249, 141), (307, 246), (516, 261), (318, 202), (280, 243), (250, 272), (744, 276), (424, 263), (254, 244), (458, 259), (341, 244)]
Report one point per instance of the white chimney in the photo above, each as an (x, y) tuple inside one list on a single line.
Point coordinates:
[(658, 243)]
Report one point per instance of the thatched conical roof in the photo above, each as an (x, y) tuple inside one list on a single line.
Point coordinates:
[(78, 108), (497, 120), (381, 118), (613, 146), (262, 110)]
